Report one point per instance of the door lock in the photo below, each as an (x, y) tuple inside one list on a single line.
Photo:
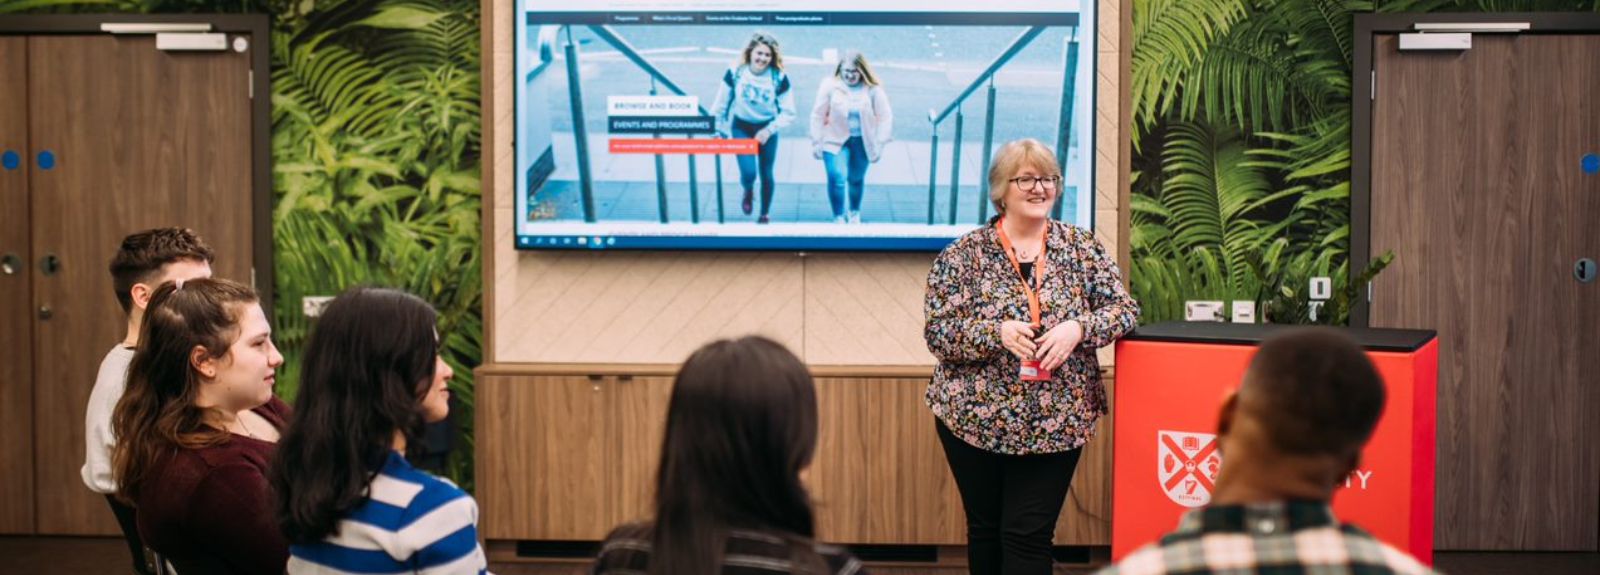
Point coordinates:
[(50, 264), (1585, 270), (10, 264)]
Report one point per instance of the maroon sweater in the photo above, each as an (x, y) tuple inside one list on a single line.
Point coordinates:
[(209, 510)]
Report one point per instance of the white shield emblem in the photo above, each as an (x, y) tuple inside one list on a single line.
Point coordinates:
[(1187, 465)]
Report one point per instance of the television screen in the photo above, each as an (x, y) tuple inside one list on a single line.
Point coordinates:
[(789, 124)]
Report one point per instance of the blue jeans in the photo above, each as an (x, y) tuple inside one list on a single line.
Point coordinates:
[(748, 168), (849, 165)]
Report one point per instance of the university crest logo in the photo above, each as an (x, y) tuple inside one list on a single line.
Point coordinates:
[(1187, 465)]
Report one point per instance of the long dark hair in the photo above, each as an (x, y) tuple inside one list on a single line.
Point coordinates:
[(157, 412), (366, 367), (741, 426)]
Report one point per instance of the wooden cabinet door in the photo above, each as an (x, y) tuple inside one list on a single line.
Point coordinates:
[(16, 310), (880, 475), (132, 138), (641, 423), (546, 460)]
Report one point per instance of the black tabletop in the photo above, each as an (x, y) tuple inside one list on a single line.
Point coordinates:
[(1373, 339)]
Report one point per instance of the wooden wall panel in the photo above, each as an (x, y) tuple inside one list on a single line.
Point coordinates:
[(16, 309), (865, 309), (645, 307)]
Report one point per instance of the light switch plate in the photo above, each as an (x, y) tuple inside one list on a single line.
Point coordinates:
[(1321, 287), (1203, 310), (1244, 312)]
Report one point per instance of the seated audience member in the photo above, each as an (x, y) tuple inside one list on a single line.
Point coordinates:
[(145, 260), (347, 499), (197, 426), (1289, 436), (741, 426)]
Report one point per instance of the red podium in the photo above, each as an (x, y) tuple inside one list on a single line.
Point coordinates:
[(1171, 381)]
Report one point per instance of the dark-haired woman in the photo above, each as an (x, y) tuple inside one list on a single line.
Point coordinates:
[(197, 426), (348, 501), (741, 425)]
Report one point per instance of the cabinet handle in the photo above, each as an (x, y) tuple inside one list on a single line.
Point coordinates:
[(594, 381)]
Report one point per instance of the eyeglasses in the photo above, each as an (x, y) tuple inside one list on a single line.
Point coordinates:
[(1030, 183)]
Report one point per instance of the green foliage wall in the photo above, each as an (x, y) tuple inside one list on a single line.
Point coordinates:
[(375, 147), (1241, 182)]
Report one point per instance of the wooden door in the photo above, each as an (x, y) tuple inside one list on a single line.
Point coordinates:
[(16, 313), (1478, 189), (139, 138)]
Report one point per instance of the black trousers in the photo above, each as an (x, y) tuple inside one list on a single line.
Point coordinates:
[(127, 518), (1012, 503)]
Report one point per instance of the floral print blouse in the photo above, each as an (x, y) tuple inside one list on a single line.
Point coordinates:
[(976, 390)]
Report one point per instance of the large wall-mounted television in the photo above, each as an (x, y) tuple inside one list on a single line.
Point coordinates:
[(670, 124)]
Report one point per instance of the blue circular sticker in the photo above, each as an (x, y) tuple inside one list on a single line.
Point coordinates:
[(11, 159), (47, 159), (1591, 163)]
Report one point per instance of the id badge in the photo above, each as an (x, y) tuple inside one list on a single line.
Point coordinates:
[(1032, 372)]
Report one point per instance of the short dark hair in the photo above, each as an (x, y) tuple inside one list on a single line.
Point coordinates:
[(142, 255), (1315, 391)]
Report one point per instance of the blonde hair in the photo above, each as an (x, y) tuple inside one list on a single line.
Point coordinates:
[(1012, 158), (860, 60), (768, 40)]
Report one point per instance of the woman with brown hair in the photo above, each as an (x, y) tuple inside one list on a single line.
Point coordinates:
[(741, 425), (196, 428)]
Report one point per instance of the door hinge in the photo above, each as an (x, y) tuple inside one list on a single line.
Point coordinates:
[(252, 84), (1369, 292), (1373, 86)]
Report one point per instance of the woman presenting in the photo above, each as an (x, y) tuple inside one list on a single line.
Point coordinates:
[(1015, 312)]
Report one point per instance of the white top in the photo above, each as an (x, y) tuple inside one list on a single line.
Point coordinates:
[(97, 436)]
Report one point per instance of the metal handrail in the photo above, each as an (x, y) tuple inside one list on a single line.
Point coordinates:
[(1017, 45), (657, 78), (936, 118)]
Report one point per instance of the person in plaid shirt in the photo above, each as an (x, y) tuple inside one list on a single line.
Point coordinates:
[(1292, 433)]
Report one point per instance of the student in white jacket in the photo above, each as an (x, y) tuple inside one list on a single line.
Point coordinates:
[(144, 260), (850, 124)]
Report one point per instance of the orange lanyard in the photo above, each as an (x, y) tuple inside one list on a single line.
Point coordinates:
[(1038, 268)]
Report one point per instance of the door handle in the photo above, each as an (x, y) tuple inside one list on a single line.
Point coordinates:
[(10, 264), (1585, 270), (50, 264), (45, 313)]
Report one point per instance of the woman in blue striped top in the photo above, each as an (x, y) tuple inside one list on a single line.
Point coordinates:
[(347, 499)]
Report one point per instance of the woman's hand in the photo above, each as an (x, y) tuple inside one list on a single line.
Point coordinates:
[(761, 136), (1017, 337), (1057, 344)]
